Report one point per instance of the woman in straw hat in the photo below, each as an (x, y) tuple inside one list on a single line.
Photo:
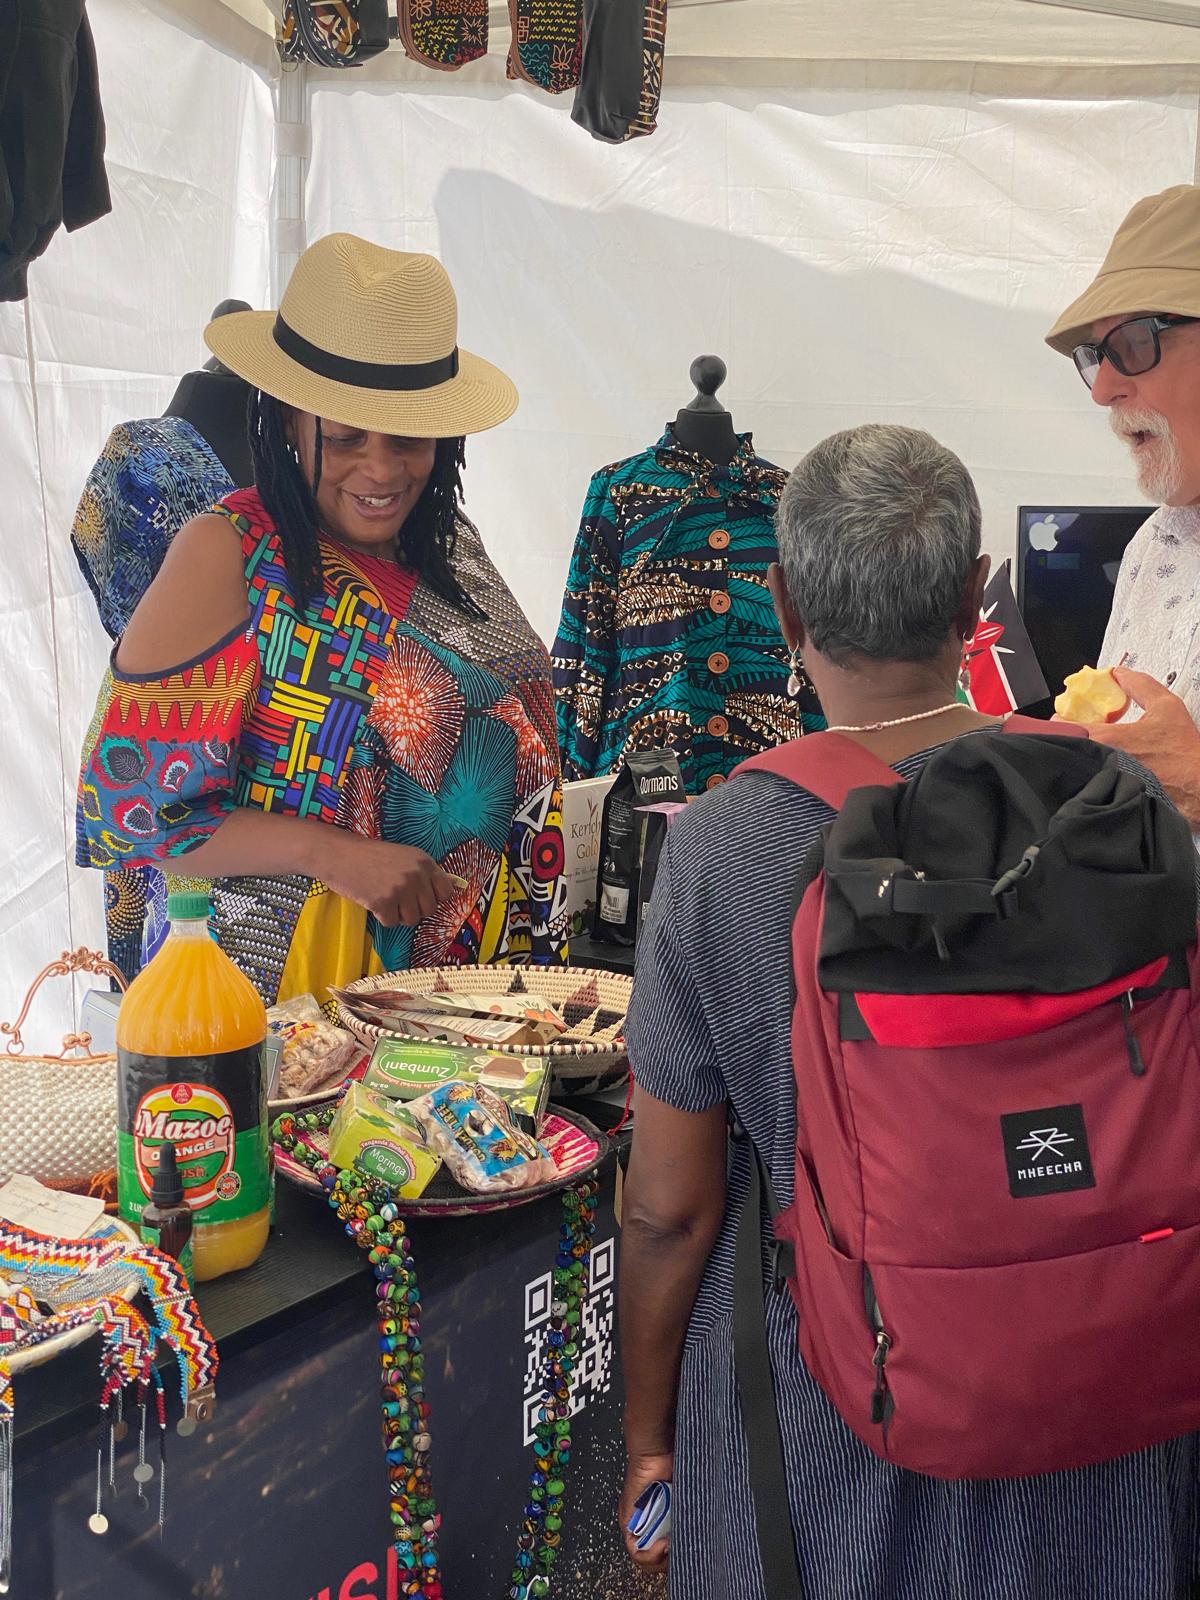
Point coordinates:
[(319, 706)]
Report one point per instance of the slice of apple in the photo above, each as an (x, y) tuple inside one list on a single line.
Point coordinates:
[(1090, 696)]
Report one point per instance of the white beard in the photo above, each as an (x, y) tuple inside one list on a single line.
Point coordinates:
[(1159, 466)]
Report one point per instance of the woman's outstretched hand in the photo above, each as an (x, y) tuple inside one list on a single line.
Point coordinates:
[(397, 883)]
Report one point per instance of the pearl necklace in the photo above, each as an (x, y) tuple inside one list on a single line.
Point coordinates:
[(896, 722)]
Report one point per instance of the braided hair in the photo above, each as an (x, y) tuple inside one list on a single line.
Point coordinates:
[(427, 540)]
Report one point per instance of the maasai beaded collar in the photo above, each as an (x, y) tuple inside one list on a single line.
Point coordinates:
[(61, 1272), (128, 1346), (81, 1280), (371, 1216)]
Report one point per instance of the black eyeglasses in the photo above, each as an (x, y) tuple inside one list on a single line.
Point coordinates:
[(1132, 347)]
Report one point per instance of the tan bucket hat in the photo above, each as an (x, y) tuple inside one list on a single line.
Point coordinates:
[(1153, 264), (367, 337)]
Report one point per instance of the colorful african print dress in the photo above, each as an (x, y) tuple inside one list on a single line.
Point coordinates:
[(339, 710), (668, 637)]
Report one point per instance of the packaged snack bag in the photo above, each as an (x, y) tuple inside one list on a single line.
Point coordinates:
[(317, 1054), (476, 1136)]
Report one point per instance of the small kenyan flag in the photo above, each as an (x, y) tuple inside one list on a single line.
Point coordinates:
[(998, 658)]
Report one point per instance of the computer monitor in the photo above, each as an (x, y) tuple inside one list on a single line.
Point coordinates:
[(1068, 558)]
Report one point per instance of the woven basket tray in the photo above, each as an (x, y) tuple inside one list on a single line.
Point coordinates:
[(593, 1004), (576, 1145)]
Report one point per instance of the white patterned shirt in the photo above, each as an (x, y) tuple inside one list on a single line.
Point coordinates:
[(1154, 626)]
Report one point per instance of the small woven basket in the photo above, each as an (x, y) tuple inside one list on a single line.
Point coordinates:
[(58, 1113)]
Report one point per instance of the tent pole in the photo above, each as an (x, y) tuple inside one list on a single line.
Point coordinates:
[(293, 143)]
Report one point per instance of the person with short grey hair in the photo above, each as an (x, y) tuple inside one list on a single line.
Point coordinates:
[(880, 578), (878, 530)]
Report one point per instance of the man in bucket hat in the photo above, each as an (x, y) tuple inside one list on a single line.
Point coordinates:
[(1134, 335)]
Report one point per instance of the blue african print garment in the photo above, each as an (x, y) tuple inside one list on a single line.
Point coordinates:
[(152, 477), (707, 1027), (668, 637)]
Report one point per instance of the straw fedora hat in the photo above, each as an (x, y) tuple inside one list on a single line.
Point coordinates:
[(1153, 264), (367, 337)]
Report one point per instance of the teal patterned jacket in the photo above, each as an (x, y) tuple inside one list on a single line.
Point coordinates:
[(668, 638)]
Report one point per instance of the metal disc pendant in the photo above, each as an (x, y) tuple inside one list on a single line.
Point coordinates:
[(185, 1427), (143, 1472), (98, 1523), (120, 1430)]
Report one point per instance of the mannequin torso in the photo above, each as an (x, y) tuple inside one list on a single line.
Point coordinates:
[(215, 405)]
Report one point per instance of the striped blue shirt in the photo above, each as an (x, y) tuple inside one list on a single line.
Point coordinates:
[(710, 1022)]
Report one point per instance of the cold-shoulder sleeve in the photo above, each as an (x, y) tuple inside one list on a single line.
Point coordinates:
[(160, 759)]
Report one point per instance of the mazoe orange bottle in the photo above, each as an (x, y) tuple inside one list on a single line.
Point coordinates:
[(190, 1033)]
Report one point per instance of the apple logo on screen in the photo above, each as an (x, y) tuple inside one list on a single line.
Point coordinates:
[(1043, 535)]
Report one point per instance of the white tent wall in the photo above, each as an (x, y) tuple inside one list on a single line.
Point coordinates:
[(880, 239), (884, 242), (114, 316)]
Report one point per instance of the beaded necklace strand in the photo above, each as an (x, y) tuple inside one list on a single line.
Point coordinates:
[(370, 1215)]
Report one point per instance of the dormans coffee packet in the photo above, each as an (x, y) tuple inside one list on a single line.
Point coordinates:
[(648, 791)]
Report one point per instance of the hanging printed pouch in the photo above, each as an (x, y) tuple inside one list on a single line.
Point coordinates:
[(620, 80), (332, 33), (547, 43), (443, 34)]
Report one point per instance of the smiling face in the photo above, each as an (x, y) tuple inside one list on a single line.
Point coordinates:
[(369, 484), (1157, 413)]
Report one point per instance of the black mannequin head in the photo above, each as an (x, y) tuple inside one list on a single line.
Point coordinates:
[(215, 400), (704, 426), (223, 310)]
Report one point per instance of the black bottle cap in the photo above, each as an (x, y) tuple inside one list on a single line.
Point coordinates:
[(168, 1185)]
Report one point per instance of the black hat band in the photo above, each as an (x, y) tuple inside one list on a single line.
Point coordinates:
[(364, 374)]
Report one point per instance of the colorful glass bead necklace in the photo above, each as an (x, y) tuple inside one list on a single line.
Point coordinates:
[(371, 1216)]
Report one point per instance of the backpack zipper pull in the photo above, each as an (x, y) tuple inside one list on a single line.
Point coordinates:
[(1137, 1064), (879, 1394)]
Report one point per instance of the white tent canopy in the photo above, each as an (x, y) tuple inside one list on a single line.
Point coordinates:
[(872, 209)]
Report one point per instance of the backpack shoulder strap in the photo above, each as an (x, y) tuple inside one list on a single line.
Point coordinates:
[(1060, 730), (828, 765), (766, 1462)]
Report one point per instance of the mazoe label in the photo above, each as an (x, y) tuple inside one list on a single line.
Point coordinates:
[(199, 1123)]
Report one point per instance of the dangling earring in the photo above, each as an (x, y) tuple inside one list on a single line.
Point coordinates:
[(964, 682), (795, 683)]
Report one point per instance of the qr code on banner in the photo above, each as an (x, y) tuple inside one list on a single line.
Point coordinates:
[(593, 1369)]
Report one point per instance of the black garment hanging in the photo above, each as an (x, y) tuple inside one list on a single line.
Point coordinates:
[(620, 81), (51, 132)]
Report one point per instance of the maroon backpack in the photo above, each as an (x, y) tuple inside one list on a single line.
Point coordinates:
[(993, 1241)]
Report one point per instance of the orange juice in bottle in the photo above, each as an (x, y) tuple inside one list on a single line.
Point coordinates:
[(190, 1033)]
